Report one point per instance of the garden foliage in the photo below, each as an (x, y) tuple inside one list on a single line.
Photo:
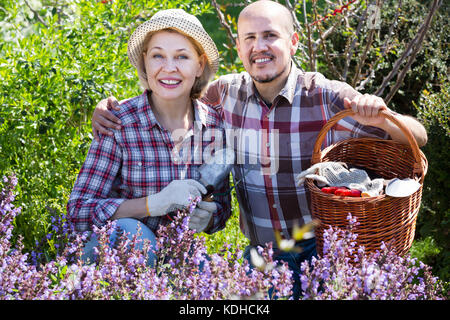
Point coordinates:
[(52, 74), (399, 23), (434, 221), (184, 270), (59, 58), (346, 271)]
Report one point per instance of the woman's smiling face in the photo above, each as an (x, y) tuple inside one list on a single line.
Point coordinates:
[(172, 64)]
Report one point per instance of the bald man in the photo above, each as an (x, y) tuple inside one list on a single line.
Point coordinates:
[(273, 113)]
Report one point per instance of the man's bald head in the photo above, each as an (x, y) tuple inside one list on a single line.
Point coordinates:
[(271, 10), (266, 43)]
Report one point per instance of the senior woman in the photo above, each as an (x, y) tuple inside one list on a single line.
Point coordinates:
[(149, 167)]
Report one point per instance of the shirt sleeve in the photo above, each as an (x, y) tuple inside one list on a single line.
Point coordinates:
[(90, 203), (213, 97), (347, 127)]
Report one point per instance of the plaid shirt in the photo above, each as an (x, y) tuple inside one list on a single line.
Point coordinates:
[(140, 159), (274, 144)]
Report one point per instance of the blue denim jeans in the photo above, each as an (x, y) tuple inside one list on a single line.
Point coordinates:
[(131, 227), (293, 260)]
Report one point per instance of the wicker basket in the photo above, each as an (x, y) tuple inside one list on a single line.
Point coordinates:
[(381, 218)]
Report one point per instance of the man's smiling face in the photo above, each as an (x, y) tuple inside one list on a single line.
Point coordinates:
[(265, 44)]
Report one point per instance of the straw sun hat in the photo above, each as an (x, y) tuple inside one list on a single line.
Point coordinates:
[(176, 19)]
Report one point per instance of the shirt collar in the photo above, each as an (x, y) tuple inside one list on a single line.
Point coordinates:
[(145, 114), (148, 120), (288, 91), (200, 114)]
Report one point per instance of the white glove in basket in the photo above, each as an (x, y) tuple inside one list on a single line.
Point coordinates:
[(336, 174)]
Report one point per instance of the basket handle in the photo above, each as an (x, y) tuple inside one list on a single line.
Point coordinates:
[(317, 154)]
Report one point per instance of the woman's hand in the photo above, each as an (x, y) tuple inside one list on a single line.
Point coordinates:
[(103, 118), (177, 195), (201, 217)]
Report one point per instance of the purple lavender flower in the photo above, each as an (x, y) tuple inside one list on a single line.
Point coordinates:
[(347, 272), (185, 271)]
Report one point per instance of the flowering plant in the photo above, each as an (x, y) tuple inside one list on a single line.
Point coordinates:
[(185, 271), (345, 271)]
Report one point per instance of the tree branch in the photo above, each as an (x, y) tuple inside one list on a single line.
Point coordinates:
[(363, 57), (292, 9), (391, 28), (422, 32), (36, 14), (350, 50), (312, 59), (327, 33), (299, 29), (385, 47), (362, 60), (224, 24), (328, 59), (411, 50)]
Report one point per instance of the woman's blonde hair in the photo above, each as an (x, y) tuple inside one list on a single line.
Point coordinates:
[(201, 82)]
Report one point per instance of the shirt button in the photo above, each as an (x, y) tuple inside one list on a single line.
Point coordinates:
[(268, 144), (274, 206), (140, 164)]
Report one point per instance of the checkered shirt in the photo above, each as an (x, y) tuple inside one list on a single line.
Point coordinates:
[(140, 159), (274, 144)]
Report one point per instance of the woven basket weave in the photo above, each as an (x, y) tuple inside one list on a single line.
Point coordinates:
[(382, 218)]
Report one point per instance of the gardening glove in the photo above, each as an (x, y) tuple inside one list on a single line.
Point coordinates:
[(177, 195), (202, 215), (336, 174)]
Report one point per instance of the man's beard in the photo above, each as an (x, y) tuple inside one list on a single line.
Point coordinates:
[(268, 78)]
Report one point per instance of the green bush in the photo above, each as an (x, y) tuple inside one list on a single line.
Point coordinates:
[(431, 61), (54, 69), (434, 218)]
